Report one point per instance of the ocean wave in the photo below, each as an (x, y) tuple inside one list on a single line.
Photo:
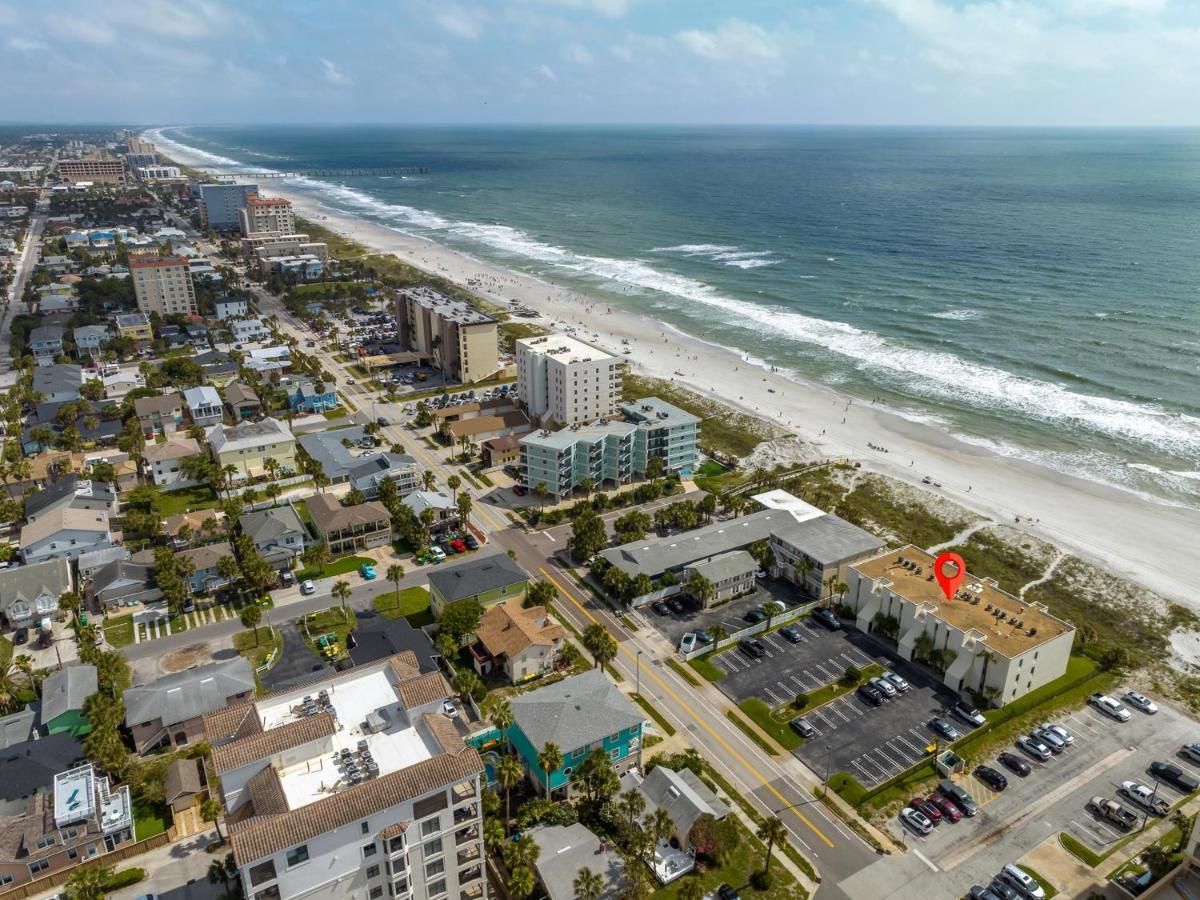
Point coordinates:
[(957, 315), (723, 253)]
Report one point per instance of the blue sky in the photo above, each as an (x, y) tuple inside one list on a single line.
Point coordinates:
[(926, 62)]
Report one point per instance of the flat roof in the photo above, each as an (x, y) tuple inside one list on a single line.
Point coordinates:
[(780, 499), (574, 434), (74, 795), (654, 412), (976, 606), (563, 348), (445, 306)]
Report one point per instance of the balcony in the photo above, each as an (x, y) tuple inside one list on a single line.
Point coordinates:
[(474, 892), (463, 835), (470, 875), (466, 814), (463, 791), (469, 854)]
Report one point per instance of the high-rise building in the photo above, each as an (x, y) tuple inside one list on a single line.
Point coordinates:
[(560, 379), (459, 339), (96, 169), (260, 214), (135, 144), (163, 285), (221, 202)]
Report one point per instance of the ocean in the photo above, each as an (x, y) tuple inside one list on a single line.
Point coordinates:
[(1031, 291)]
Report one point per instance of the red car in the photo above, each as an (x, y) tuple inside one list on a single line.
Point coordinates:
[(942, 802), (929, 809), (519, 490), (459, 546)]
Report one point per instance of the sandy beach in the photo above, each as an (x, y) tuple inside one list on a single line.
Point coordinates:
[(1146, 541)]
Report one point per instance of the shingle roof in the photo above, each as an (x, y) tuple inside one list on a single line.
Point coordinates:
[(419, 501), (223, 437), (206, 556), (266, 525), (176, 447), (56, 378), (508, 629), (476, 576), (574, 712), (276, 740), (32, 765), (17, 728), (163, 403), (684, 796), (565, 850), (726, 566), (64, 519), (237, 393), (184, 695), (51, 494), (329, 515), (66, 689), (182, 779), (52, 578)]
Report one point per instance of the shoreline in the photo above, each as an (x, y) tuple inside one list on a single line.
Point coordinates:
[(1115, 529)]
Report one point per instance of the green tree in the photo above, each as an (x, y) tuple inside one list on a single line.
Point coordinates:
[(493, 833), (597, 777), (541, 593), (251, 616), (771, 832), (521, 882), (588, 536), (211, 811), (88, 882), (498, 708), (428, 479), (461, 617), (599, 643), (549, 759), (509, 775), (701, 589), (394, 573), (587, 884), (632, 804), (692, 889), (454, 483), (463, 505), (341, 591), (317, 557)]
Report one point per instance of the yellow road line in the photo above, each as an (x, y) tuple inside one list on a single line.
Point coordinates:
[(703, 724)]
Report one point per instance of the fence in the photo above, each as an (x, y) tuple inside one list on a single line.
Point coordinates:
[(282, 482), (59, 876), (782, 619)]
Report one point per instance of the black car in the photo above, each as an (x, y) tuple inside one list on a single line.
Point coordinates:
[(676, 605), (661, 608), (991, 778), (755, 616), (21, 635), (471, 543), (1014, 763), (725, 892), (871, 694), (979, 892), (1174, 776), (828, 618), (790, 633), (381, 421), (753, 648)]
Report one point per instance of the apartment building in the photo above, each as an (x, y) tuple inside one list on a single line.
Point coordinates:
[(135, 144), (273, 214), (157, 173), (231, 308), (560, 379), (460, 340), (221, 202), (664, 431), (135, 326), (271, 245), (94, 169), (356, 785), (248, 445), (163, 285), (983, 639)]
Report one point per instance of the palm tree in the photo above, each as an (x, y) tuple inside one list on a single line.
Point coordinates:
[(70, 602), (661, 826), (541, 490), (211, 811), (499, 710), (587, 885), (771, 832), (632, 804), (493, 832), (509, 774), (317, 556), (601, 644), (718, 633), (521, 882), (272, 466), (587, 486), (454, 483), (549, 759), (691, 889), (341, 590), (428, 479), (394, 573), (464, 504), (923, 646), (466, 683)]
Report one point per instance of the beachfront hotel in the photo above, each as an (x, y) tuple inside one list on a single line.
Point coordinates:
[(96, 169), (991, 642), (357, 785), (163, 285), (221, 202), (263, 214), (460, 340), (562, 380)]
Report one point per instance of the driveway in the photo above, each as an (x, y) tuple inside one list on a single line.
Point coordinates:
[(297, 662)]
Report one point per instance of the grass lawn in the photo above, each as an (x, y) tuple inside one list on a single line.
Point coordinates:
[(707, 669), (337, 413), (119, 631), (149, 820), (302, 511), (331, 621), (1079, 850), (343, 566), (413, 605), (1051, 890), (760, 714), (682, 672), (663, 725), (256, 645), (189, 499)]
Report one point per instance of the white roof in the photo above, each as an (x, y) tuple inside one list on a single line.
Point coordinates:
[(565, 349), (781, 499), (204, 395)]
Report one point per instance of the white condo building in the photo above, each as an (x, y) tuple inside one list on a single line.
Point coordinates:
[(560, 379)]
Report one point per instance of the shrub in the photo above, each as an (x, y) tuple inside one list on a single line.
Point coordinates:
[(124, 879)]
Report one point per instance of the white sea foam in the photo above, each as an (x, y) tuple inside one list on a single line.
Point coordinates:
[(957, 315), (722, 253)]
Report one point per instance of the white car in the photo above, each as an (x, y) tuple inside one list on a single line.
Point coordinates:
[(449, 710), (1144, 796), (1140, 701), (1063, 735), (1110, 707), (1023, 882), (895, 681), (916, 820), (307, 587)]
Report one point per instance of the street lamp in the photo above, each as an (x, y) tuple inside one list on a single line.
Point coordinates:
[(637, 661), (828, 754)]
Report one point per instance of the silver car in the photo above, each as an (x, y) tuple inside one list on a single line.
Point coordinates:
[(885, 687), (896, 681), (1063, 735)]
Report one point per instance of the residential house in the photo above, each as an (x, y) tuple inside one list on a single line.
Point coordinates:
[(266, 360), (90, 338), (197, 523), (30, 593), (277, 533), (231, 308), (308, 396), (347, 529), (58, 383), (520, 643), (249, 445), (46, 344), (204, 405), (65, 533), (378, 637), (20, 727), (502, 451), (579, 715), (344, 454), (566, 850), (445, 512), (242, 402), (93, 561), (71, 492), (204, 559), (163, 463), (135, 326), (246, 331), (486, 579), (373, 468), (121, 382), (730, 574), (686, 798), (170, 711), (123, 583), (159, 415), (219, 368), (63, 693)]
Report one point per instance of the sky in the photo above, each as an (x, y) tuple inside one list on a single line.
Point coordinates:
[(881, 62)]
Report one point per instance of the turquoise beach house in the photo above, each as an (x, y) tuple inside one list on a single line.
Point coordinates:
[(578, 715)]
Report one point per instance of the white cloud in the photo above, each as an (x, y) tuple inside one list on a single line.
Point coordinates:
[(461, 21), (547, 73), (333, 74), (733, 41), (577, 53), (88, 31), (20, 43), (612, 9)]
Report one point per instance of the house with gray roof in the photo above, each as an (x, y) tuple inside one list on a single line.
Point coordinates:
[(445, 512), (566, 850), (170, 710), (30, 593), (58, 383), (583, 714), (203, 404), (17, 728), (73, 492), (46, 343), (207, 575), (277, 533), (685, 798), (123, 582), (89, 338), (487, 579), (30, 767), (63, 694), (348, 455)]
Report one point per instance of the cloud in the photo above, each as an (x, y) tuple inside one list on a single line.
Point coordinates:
[(547, 73), (461, 21), (20, 43), (577, 53), (90, 30), (735, 40), (611, 9), (333, 74)]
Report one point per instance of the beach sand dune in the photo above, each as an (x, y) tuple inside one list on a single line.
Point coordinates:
[(1147, 541)]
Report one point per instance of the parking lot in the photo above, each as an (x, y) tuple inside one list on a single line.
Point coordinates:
[(728, 615)]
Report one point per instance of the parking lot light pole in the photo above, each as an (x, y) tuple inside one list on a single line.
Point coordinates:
[(637, 662), (828, 755), (1146, 810)]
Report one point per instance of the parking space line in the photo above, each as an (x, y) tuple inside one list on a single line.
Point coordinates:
[(820, 667), (918, 752), (866, 758), (869, 780), (784, 689), (900, 767), (775, 701), (829, 723)]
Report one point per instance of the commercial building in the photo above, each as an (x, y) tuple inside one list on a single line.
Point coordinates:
[(221, 202), (983, 639), (355, 786), (562, 380), (273, 214), (163, 285), (347, 529), (170, 711), (95, 170), (460, 340), (248, 445)]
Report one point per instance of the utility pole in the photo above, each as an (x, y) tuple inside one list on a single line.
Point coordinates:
[(638, 666)]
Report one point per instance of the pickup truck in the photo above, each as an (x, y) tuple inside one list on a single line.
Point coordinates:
[(1144, 796), (1174, 776), (1113, 811), (1114, 709)]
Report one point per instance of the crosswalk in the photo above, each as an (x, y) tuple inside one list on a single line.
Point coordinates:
[(154, 628)]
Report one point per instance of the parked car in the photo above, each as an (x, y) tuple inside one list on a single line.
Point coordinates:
[(1174, 776), (471, 543), (1004, 890), (437, 553), (950, 812), (1014, 763), (367, 571), (676, 606), (1140, 701), (964, 801), (870, 694), (991, 777), (447, 548), (703, 637), (802, 727), (1050, 739), (1063, 735), (459, 546), (943, 728), (1025, 883), (1191, 751), (827, 617), (449, 710), (896, 681), (968, 713), (755, 616), (725, 892), (884, 687), (189, 604), (519, 490), (307, 587), (1144, 796), (754, 648), (1110, 707), (1034, 747), (660, 608), (979, 892), (381, 421), (1112, 811), (916, 820), (932, 813), (21, 635), (790, 633)]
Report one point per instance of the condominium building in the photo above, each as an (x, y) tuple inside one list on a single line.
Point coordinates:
[(983, 639), (460, 340), (272, 245), (221, 202), (358, 785), (259, 214), (664, 431), (157, 173), (560, 379), (135, 144), (135, 326), (163, 285), (96, 169)]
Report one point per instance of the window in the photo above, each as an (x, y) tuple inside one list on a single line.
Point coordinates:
[(373, 872), (46, 841), (369, 850), (297, 856), (438, 887), (431, 826), (433, 848), (72, 853), (615, 753), (396, 844), (366, 826), (376, 892), (264, 871), (400, 885), (40, 866), (435, 868), (5, 879)]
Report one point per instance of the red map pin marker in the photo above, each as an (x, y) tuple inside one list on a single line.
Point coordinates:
[(949, 581)]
